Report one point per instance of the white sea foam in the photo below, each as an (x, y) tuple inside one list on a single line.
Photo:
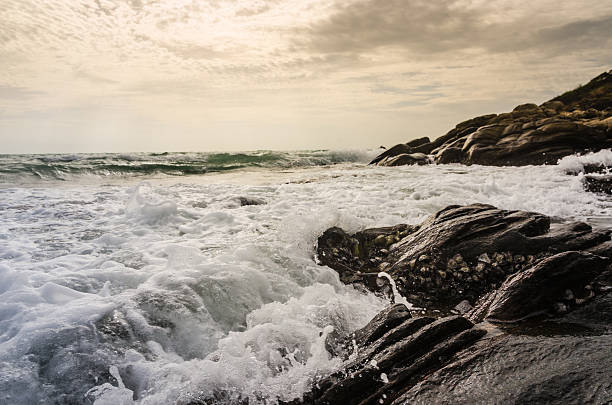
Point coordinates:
[(575, 163), (168, 290)]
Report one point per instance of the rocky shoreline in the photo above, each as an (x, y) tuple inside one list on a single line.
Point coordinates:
[(508, 297), (500, 306), (578, 121)]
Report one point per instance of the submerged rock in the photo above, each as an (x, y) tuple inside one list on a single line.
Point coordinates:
[(250, 201), (576, 122), (599, 184)]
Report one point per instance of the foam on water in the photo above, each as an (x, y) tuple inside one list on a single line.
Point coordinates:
[(576, 163), (169, 290)]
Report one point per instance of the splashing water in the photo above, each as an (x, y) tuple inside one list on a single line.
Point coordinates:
[(115, 291), (397, 297)]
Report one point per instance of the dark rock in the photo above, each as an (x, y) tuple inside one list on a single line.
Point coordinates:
[(596, 94), (413, 152), (418, 142), (575, 122), (393, 151), (404, 159), (597, 177), (408, 328), (526, 107), (536, 290), (463, 307), (519, 369), (395, 363), (449, 361), (250, 201), (349, 254), (459, 253), (603, 249), (383, 322), (599, 184), (564, 272), (402, 378), (425, 148)]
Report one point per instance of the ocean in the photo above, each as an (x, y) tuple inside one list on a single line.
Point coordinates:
[(142, 278)]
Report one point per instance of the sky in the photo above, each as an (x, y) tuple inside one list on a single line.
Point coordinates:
[(215, 75)]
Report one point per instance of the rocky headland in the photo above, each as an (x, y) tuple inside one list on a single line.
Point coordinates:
[(512, 309), (577, 121)]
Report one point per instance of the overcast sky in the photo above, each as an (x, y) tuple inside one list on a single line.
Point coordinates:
[(209, 75)]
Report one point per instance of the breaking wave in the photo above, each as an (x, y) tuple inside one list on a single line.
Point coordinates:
[(71, 166)]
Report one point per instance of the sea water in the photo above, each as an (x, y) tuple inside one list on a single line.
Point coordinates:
[(140, 278)]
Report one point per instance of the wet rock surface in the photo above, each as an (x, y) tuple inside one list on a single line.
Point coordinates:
[(598, 179), (348, 254), (459, 253), (388, 365), (599, 184), (522, 369), (250, 201), (575, 122), (539, 329), (552, 284)]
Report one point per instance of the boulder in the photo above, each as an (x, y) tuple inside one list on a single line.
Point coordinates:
[(348, 254), (404, 159)]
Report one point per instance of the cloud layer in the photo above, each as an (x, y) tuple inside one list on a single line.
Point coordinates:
[(215, 74)]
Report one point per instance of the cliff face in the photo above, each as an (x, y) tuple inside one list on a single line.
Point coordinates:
[(574, 122)]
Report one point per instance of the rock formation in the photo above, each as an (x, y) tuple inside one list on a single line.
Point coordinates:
[(461, 252), (538, 328), (575, 122)]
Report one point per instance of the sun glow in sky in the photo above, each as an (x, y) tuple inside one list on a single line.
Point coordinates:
[(208, 75)]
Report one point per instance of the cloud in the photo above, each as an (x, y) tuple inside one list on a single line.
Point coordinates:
[(588, 33), (248, 12), (420, 25), (17, 93), (389, 89), (191, 51), (436, 27), (194, 61), (93, 77), (413, 103), (182, 88)]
